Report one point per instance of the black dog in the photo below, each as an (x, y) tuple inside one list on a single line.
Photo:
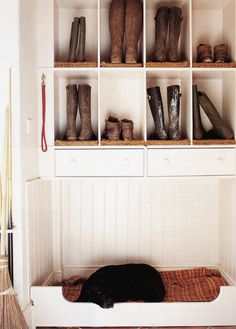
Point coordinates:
[(121, 283)]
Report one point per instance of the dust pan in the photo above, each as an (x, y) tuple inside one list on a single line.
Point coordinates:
[(11, 316)]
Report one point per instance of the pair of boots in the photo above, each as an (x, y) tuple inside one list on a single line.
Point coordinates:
[(219, 130), (125, 21), (156, 106), (204, 53), (79, 97), (167, 19), (116, 130), (78, 30)]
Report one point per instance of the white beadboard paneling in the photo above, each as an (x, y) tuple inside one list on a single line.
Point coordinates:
[(227, 244), (39, 217), (165, 222)]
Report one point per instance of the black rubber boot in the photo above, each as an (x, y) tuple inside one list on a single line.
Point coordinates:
[(156, 106), (198, 130), (173, 96)]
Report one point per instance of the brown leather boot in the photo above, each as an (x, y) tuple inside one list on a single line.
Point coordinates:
[(127, 127), (174, 33), (84, 93), (74, 39), (113, 129), (204, 53), (117, 30), (133, 29), (161, 31), (221, 53), (173, 96), (71, 110), (198, 129)]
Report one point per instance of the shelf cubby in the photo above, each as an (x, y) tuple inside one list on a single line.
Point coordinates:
[(62, 79), (184, 41), (163, 79), (105, 40), (122, 96), (213, 23), (64, 13), (220, 88)]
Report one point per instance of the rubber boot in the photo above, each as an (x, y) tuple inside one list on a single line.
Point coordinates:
[(127, 128), (117, 30), (71, 110), (156, 106), (161, 31), (174, 33), (82, 39), (133, 29), (198, 130), (219, 129), (74, 40), (113, 129), (173, 96), (84, 93)]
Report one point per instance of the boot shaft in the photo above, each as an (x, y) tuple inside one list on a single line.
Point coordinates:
[(161, 32), (198, 130), (74, 39), (174, 33), (173, 97), (72, 108)]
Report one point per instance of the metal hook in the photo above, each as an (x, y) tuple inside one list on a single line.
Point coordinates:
[(43, 78)]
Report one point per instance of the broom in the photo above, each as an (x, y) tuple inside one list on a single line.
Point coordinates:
[(11, 316)]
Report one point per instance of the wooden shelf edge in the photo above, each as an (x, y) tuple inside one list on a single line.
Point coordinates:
[(182, 64), (76, 64), (106, 64), (215, 65), (106, 142), (168, 142), (214, 142), (75, 143)]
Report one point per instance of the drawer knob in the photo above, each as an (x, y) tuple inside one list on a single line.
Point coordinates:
[(126, 162), (166, 161), (220, 160)]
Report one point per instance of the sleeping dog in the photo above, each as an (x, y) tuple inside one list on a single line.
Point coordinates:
[(122, 283)]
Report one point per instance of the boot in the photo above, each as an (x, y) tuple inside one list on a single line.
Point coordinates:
[(127, 127), (133, 29), (219, 129), (198, 130), (161, 30), (117, 30), (156, 106), (221, 54), (84, 93), (113, 129), (174, 33), (204, 53), (82, 38), (173, 96), (71, 110), (74, 40)]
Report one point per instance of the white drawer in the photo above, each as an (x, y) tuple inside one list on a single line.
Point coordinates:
[(99, 162), (194, 162)]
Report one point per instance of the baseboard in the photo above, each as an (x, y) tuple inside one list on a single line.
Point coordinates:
[(226, 276)]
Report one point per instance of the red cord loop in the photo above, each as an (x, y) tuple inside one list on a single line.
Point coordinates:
[(44, 146)]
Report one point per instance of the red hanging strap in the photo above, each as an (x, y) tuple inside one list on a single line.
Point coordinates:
[(44, 146)]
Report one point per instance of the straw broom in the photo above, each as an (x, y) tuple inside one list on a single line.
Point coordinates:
[(11, 316)]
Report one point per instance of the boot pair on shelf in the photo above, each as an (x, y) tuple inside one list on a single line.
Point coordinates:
[(116, 130), (204, 54), (125, 22), (167, 20), (156, 106), (78, 30), (219, 130), (79, 97)]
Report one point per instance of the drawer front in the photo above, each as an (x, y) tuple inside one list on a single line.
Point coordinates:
[(194, 162), (99, 163)]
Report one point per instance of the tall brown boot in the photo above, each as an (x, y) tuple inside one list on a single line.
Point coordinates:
[(174, 33), (71, 110), (198, 129), (84, 93), (133, 29), (117, 30), (74, 39), (161, 31), (173, 96)]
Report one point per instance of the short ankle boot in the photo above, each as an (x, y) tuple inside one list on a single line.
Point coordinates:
[(133, 29), (173, 97), (113, 129), (127, 127), (204, 53), (84, 93), (71, 111), (117, 30), (219, 128), (198, 130), (221, 54), (174, 33), (161, 31), (156, 106)]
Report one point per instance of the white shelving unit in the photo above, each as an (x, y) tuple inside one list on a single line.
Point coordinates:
[(168, 203)]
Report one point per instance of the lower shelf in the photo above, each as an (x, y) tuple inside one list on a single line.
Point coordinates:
[(214, 142), (168, 64), (168, 142), (215, 65), (75, 143), (220, 312), (107, 64), (76, 64)]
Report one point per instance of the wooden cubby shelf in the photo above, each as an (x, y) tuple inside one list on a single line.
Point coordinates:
[(76, 64), (168, 142), (214, 142), (75, 143), (168, 64)]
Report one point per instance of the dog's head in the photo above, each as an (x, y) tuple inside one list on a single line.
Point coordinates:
[(97, 292)]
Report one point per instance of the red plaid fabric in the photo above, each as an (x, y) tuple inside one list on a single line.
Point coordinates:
[(192, 285)]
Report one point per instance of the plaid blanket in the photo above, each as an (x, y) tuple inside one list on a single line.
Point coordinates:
[(191, 285)]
